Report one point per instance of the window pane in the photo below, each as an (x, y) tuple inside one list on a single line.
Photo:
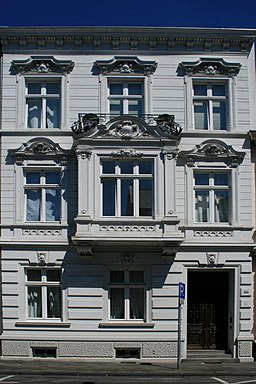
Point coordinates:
[(134, 89), (135, 107), (221, 206), (53, 302), (116, 107), (52, 205), (218, 90), (109, 187), (136, 277), (34, 302), (221, 179), (53, 274), (202, 206), (201, 179), (145, 167), (200, 90), (145, 198), (34, 275), (126, 167), (32, 177), (52, 88), (127, 197), (117, 303), (115, 89), (219, 115), (117, 277), (52, 177), (136, 303), (34, 113), (52, 113), (33, 205), (34, 88), (108, 167), (201, 115)]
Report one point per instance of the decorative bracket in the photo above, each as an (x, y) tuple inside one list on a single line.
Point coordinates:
[(169, 250), (84, 248)]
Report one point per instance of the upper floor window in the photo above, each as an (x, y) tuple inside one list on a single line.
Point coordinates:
[(43, 291), (212, 197), (127, 188), (210, 106), (125, 98), (127, 294), (42, 196), (43, 100)]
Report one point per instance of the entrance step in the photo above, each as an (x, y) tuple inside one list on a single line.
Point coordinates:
[(209, 356)]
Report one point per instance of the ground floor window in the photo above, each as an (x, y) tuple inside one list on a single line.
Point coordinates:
[(127, 298), (43, 291)]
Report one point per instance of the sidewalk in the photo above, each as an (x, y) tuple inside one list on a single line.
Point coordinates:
[(123, 368)]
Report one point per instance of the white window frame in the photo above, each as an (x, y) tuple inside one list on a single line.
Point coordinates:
[(43, 284), (42, 187), (136, 176), (231, 109), (125, 97), (209, 99), (126, 286), (43, 97), (211, 188)]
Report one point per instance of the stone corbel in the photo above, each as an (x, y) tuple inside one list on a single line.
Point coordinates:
[(169, 250), (212, 258), (84, 249)]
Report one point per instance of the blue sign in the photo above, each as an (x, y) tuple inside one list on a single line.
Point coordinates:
[(182, 291)]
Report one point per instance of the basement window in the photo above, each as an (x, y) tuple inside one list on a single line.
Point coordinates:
[(128, 353), (44, 352)]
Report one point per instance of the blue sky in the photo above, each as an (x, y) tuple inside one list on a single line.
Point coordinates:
[(162, 13)]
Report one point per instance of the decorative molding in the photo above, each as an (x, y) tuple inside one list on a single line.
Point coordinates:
[(84, 154), (84, 248), (41, 232), (211, 233), (42, 258), (127, 152), (212, 258), (85, 123), (43, 65), (125, 65), (125, 129), (128, 228), (167, 124), (210, 67), (127, 258), (41, 148), (212, 150), (169, 250)]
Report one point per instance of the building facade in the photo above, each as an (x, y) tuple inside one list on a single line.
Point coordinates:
[(126, 170)]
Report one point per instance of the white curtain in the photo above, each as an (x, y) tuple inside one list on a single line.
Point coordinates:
[(221, 207), (202, 207), (53, 302), (201, 115), (52, 205), (34, 302), (136, 303), (53, 113), (34, 113), (33, 205)]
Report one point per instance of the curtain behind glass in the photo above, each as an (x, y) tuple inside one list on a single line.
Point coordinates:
[(117, 303), (34, 302), (202, 206), (53, 302), (52, 113), (221, 206), (34, 113), (136, 303), (33, 205), (52, 205)]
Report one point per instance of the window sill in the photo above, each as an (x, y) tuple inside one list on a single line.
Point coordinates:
[(122, 324), (42, 323)]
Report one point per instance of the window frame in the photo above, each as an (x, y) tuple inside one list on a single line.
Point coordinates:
[(42, 188), (43, 97), (126, 285), (136, 177), (209, 99), (125, 97), (212, 188), (44, 284)]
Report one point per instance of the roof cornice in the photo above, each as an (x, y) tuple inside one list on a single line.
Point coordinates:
[(126, 38)]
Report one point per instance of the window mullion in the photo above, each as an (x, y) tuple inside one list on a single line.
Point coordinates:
[(136, 196), (118, 199), (210, 114)]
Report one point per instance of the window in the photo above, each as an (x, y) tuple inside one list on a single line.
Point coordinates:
[(127, 188), (43, 293), (210, 106), (127, 295), (125, 98), (42, 196), (212, 197), (43, 104)]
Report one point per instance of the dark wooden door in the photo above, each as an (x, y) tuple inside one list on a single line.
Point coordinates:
[(207, 326)]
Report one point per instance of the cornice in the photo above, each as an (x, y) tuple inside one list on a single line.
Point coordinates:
[(126, 38)]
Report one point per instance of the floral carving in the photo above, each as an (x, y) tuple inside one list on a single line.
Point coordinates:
[(211, 66), (166, 123), (125, 64), (126, 129), (85, 123), (43, 64), (127, 152)]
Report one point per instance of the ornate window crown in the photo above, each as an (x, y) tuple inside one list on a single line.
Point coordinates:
[(43, 65), (125, 65), (210, 67)]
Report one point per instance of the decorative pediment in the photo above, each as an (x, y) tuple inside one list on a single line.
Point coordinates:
[(41, 148), (210, 67), (212, 151), (126, 65), (43, 65)]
